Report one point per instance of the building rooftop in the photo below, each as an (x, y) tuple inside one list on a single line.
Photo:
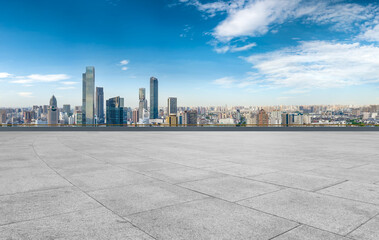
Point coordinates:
[(189, 185)]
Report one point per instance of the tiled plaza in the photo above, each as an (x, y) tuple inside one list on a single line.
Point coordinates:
[(189, 185)]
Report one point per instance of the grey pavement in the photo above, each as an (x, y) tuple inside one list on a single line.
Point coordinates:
[(189, 185)]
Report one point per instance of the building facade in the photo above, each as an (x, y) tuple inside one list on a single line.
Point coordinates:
[(153, 98), (53, 113), (88, 102), (172, 106), (100, 105), (115, 112)]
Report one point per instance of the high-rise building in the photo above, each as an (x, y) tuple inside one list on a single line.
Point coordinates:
[(172, 120), (190, 118), (67, 109), (88, 109), (153, 98), (172, 106), (52, 115), (100, 104), (135, 117), (3, 116), (142, 102), (115, 113), (262, 118), (27, 116)]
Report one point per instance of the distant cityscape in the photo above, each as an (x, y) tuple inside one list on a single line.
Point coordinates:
[(95, 112)]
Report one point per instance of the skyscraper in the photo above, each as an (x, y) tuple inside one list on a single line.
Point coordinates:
[(142, 102), (88, 106), (262, 118), (153, 98), (67, 109), (190, 118), (100, 104), (135, 117), (172, 105), (115, 112), (52, 116)]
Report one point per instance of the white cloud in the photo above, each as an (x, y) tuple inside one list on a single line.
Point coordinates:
[(225, 82), (124, 68), (34, 78), (124, 62), (69, 83), (256, 17), (5, 75), (25, 94), (370, 35), (234, 48), (65, 88), (318, 64)]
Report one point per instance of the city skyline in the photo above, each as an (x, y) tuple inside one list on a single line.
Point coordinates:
[(207, 53)]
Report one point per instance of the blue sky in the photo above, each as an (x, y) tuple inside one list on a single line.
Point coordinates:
[(205, 52)]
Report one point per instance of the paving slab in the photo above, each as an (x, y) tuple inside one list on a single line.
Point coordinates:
[(210, 219), (309, 233), (86, 224), (32, 205), (368, 231), (29, 179), (368, 193), (150, 166), (230, 188), (353, 174), (332, 214), (181, 175), (240, 170), (297, 180), (143, 197), (107, 179)]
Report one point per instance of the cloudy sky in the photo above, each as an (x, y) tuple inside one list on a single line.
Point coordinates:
[(205, 52)]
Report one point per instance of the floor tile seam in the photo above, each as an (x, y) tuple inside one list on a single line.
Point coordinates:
[(36, 191), (331, 185), (49, 216), (206, 197), (289, 230), (362, 224)]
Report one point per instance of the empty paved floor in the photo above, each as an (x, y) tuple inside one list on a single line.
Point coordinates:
[(189, 185)]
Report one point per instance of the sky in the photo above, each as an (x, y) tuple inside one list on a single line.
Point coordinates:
[(204, 52)]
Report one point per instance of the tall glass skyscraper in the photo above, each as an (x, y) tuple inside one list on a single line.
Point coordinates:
[(88, 106), (115, 112), (100, 104), (172, 107), (142, 102), (153, 98)]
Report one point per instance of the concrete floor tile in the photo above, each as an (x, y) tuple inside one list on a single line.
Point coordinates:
[(368, 193), (230, 188), (86, 224), (297, 180), (31, 205), (368, 231), (241, 170), (210, 219), (328, 213), (143, 197), (308, 233), (180, 175)]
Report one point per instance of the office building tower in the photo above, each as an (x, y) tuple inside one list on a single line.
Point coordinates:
[(3, 116), (100, 105), (27, 116), (287, 119), (78, 117), (262, 118), (135, 117), (114, 112), (172, 107), (190, 118), (67, 109), (88, 106), (172, 120), (153, 98), (52, 115), (45, 109), (142, 102)]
